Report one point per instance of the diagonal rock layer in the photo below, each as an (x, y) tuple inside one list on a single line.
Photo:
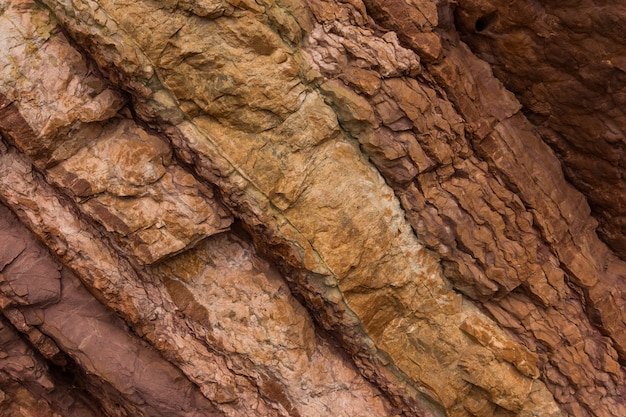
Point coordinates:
[(310, 208)]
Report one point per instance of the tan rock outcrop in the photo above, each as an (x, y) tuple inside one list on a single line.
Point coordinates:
[(403, 242)]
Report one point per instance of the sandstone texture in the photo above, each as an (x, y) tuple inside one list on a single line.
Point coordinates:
[(566, 62), (312, 208)]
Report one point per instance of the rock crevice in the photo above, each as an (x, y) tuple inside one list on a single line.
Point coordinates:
[(383, 175)]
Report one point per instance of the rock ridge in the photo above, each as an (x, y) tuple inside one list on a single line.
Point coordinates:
[(257, 193)]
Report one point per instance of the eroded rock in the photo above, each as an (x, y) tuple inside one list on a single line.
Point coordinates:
[(386, 178), (565, 62)]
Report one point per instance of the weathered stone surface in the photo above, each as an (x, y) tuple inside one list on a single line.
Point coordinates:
[(346, 232), (230, 382), (122, 175), (472, 203), (386, 178), (131, 377), (28, 387), (565, 62), (243, 306)]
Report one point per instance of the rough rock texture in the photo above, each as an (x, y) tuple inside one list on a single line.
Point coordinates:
[(566, 62), (290, 208)]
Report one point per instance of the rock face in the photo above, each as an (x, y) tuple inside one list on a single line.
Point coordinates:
[(566, 62), (311, 208)]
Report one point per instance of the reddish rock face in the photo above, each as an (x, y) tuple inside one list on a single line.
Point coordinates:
[(565, 61), (261, 208)]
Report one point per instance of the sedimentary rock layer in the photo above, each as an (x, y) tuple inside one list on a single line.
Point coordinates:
[(565, 60), (289, 208)]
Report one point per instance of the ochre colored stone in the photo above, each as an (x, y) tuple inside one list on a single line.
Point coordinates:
[(290, 208)]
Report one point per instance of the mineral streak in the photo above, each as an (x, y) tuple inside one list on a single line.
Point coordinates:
[(288, 208)]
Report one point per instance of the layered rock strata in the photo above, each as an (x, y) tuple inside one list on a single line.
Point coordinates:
[(566, 62), (405, 243), (508, 236)]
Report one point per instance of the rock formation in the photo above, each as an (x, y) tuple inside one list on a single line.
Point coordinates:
[(312, 208)]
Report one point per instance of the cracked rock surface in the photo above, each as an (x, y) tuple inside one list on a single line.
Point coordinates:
[(310, 208)]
